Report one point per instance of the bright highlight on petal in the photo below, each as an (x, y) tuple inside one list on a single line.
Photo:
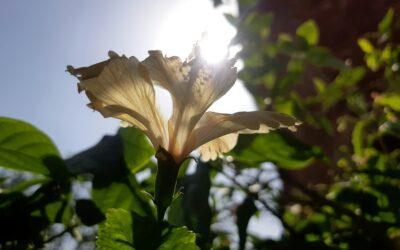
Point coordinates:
[(123, 88), (213, 127)]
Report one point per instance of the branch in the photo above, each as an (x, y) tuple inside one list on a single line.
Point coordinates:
[(66, 230), (264, 203)]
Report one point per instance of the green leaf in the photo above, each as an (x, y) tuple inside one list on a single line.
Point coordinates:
[(121, 192), (125, 230), (321, 57), (373, 60), (277, 147), (137, 149), (105, 158), (24, 147), (384, 25), (116, 232), (179, 238), (176, 213), (59, 211), (349, 77), (320, 85), (346, 79), (309, 31), (128, 149), (21, 186), (88, 212), (358, 138), (365, 45), (391, 100)]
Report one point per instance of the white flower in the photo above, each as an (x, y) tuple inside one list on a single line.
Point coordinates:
[(123, 88)]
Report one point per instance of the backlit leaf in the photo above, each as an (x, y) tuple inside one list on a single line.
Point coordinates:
[(277, 147), (391, 100), (309, 31), (179, 238), (137, 149), (24, 147)]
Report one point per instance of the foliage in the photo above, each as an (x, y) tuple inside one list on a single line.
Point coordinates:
[(350, 129), (354, 111)]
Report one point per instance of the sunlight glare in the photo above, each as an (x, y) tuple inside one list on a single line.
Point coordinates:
[(214, 46), (192, 21)]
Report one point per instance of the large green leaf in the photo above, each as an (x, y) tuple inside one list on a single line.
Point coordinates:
[(121, 192), (116, 232), (179, 238), (277, 147), (137, 149), (24, 147), (105, 158), (125, 230)]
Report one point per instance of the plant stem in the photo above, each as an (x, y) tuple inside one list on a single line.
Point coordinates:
[(167, 173)]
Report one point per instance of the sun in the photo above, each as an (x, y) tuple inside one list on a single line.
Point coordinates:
[(193, 21)]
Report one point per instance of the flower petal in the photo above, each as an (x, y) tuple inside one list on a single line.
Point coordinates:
[(168, 72), (120, 87), (194, 86), (217, 147), (214, 125)]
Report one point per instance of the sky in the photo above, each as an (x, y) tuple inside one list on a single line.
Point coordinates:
[(39, 38)]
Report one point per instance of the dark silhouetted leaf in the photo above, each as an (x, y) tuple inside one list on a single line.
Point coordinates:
[(88, 212), (105, 158)]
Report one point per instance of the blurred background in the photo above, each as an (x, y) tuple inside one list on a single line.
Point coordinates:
[(334, 184)]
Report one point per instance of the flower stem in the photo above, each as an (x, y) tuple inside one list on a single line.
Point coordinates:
[(167, 173)]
